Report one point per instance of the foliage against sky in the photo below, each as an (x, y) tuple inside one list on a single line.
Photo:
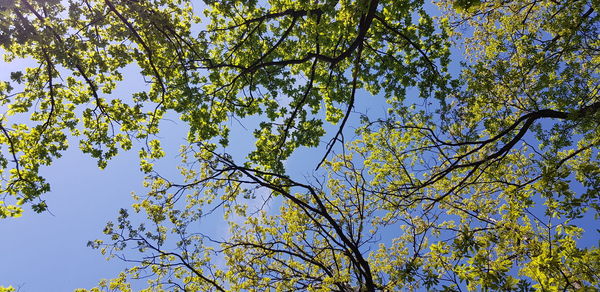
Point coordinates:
[(477, 181)]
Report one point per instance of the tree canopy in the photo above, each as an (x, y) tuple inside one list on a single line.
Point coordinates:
[(479, 176)]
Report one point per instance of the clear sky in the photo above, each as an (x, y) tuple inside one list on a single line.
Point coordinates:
[(48, 252)]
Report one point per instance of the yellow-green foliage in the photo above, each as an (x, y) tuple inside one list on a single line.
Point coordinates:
[(477, 177)]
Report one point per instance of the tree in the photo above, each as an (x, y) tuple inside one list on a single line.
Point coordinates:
[(276, 62), (479, 183)]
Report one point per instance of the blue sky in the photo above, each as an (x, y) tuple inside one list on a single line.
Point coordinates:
[(48, 252)]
